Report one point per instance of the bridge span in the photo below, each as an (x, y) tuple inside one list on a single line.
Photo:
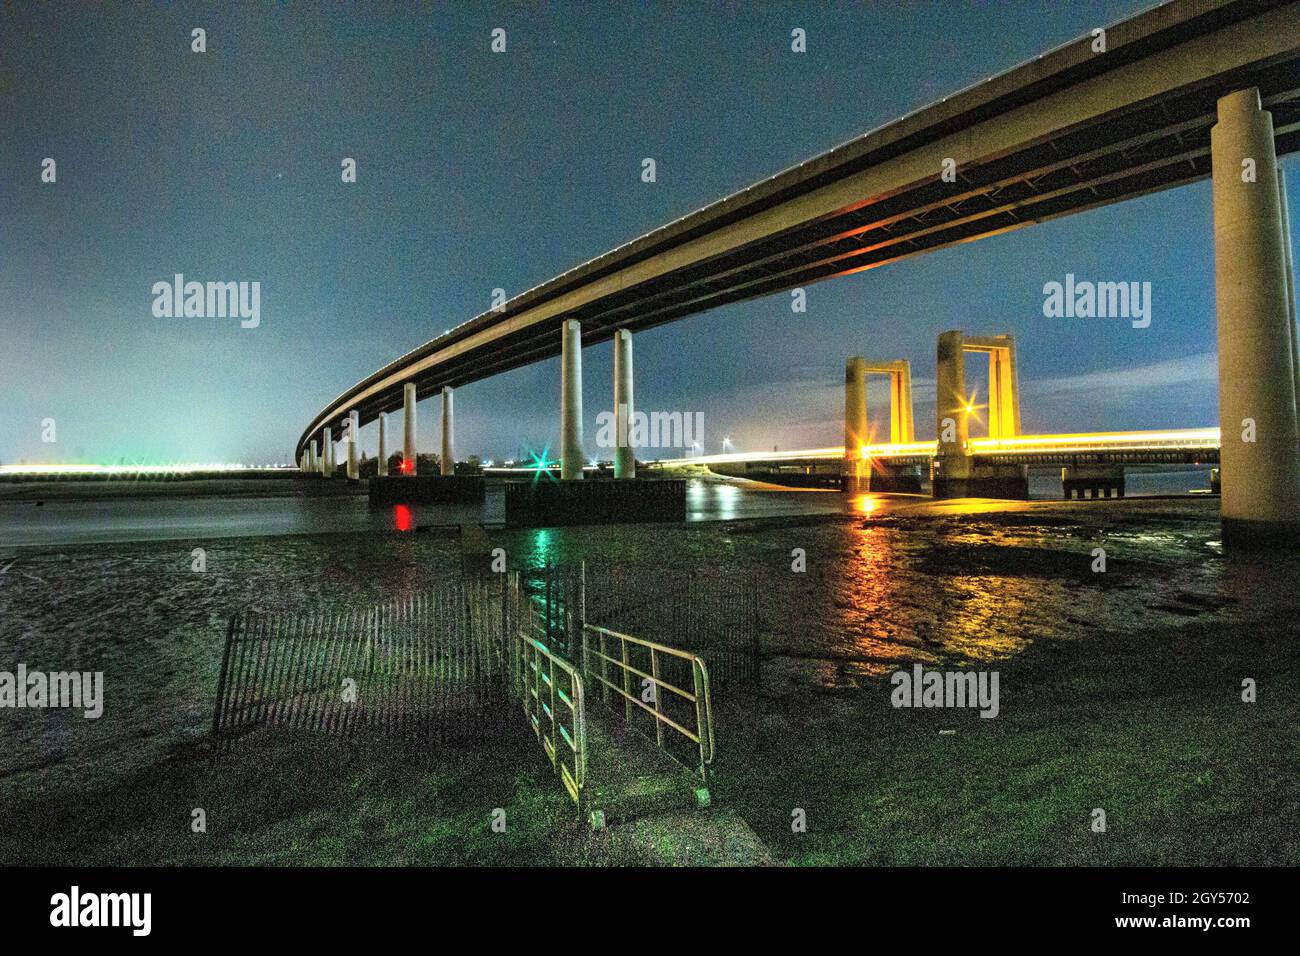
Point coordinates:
[(1186, 90)]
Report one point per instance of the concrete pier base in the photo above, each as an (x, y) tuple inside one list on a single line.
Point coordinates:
[(852, 483), (548, 504), (1257, 380), (1092, 481), (898, 480), (984, 481), (427, 490)]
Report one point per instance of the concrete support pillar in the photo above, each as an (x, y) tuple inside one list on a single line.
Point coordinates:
[(328, 440), (624, 453), (312, 463), (382, 464), (571, 401), (354, 426), (855, 424), (1004, 417), (953, 417), (902, 429), (302, 462), (1257, 386), (408, 429), (1290, 287), (448, 463)]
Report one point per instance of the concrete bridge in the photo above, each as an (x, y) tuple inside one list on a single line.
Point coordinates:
[(1184, 91)]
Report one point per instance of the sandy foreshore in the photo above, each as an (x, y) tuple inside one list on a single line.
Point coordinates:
[(1121, 690)]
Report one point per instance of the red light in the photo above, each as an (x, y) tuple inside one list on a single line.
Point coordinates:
[(408, 466), (402, 517)]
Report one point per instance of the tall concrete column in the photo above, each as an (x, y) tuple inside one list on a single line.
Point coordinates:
[(624, 453), (448, 434), (354, 426), (312, 463), (1257, 387), (571, 401), (855, 423), (950, 403), (408, 429), (382, 464), (1290, 287), (909, 423), (328, 439)]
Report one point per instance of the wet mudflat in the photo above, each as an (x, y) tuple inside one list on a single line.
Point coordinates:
[(1120, 690)]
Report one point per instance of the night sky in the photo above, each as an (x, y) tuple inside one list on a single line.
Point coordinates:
[(479, 170)]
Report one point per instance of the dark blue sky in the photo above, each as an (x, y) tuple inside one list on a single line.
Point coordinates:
[(479, 170)]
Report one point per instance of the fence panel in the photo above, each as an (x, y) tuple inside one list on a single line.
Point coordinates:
[(428, 666)]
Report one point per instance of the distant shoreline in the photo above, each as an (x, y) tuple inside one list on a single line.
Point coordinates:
[(292, 484)]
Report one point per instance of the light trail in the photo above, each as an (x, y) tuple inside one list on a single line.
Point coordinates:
[(122, 471), (1192, 439)]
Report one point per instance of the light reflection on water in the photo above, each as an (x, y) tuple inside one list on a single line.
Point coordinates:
[(241, 510)]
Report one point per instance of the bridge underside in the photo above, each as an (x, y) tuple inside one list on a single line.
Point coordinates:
[(1067, 134)]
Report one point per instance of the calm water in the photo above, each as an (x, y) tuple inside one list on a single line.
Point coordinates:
[(55, 522)]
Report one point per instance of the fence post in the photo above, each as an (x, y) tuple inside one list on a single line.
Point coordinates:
[(703, 727), (627, 684), (604, 669), (654, 672)]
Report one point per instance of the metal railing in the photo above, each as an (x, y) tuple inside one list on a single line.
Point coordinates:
[(426, 667), (644, 669), (707, 611), (551, 691)]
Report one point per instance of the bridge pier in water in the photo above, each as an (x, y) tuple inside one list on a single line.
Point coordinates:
[(860, 474), (624, 453), (957, 473), (409, 488), (354, 426), (408, 430), (327, 463), (447, 460), (571, 401), (855, 425), (1256, 329)]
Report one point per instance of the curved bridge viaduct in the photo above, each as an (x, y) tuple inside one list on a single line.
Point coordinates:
[(1184, 91)]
